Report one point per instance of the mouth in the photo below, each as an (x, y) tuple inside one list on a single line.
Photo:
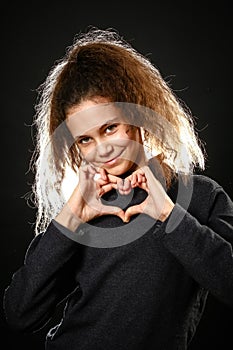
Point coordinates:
[(113, 160)]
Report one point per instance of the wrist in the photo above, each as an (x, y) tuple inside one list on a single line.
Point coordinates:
[(166, 211), (67, 219)]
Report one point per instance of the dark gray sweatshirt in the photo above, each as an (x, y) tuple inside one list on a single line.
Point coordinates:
[(147, 294)]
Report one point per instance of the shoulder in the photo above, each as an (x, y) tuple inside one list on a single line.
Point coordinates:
[(196, 183), (203, 182), (204, 189), (197, 193), (207, 187)]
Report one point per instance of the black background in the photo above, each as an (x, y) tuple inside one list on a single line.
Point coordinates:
[(190, 43)]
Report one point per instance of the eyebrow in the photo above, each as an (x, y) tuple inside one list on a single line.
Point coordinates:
[(110, 121)]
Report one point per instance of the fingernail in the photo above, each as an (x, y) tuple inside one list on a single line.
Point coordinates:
[(97, 176)]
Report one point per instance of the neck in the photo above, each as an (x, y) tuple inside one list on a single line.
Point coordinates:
[(139, 162)]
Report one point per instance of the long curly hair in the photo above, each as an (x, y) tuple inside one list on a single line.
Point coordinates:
[(101, 63)]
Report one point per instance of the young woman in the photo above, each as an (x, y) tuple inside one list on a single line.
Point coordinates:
[(136, 246)]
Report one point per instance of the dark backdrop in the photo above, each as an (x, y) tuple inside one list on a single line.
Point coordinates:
[(189, 43)]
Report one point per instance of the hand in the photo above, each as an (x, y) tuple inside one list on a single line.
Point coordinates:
[(106, 182), (158, 204), (84, 203)]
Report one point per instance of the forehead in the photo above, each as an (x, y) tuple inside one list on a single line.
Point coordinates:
[(89, 116)]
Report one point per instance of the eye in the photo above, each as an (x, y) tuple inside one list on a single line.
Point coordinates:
[(110, 128), (84, 140)]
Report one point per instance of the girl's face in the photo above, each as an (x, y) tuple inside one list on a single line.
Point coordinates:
[(103, 136)]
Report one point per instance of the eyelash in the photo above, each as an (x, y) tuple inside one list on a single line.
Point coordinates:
[(110, 126), (81, 141)]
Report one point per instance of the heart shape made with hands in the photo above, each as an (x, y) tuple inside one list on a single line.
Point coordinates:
[(157, 203), (106, 182), (85, 205)]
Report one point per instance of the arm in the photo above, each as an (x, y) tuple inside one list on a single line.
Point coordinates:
[(44, 280), (47, 275), (202, 243), (205, 250)]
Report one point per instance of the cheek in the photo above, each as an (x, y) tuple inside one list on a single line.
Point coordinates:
[(124, 138), (87, 153), (124, 141), (133, 139)]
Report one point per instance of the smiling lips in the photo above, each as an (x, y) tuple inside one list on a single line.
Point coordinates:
[(113, 160)]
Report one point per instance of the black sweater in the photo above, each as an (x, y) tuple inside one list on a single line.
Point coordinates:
[(147, 294)]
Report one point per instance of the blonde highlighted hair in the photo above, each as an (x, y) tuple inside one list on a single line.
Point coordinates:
[(101, 63)]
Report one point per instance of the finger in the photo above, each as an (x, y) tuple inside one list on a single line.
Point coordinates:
[(139, 178), (123, 186), (120, 184), (143, 185), (97, 177), (103, 174), (88, 167), (125, 192), (99, 181), (133, 180), (111, 210), (127, 185), (106, 188), (135, 209), (138, 182), (143, 178), (112, 178), (87, 172)]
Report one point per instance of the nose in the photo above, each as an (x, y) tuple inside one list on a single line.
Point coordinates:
[(104, 149)]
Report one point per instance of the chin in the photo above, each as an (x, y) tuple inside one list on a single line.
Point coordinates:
[(121, 169)]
